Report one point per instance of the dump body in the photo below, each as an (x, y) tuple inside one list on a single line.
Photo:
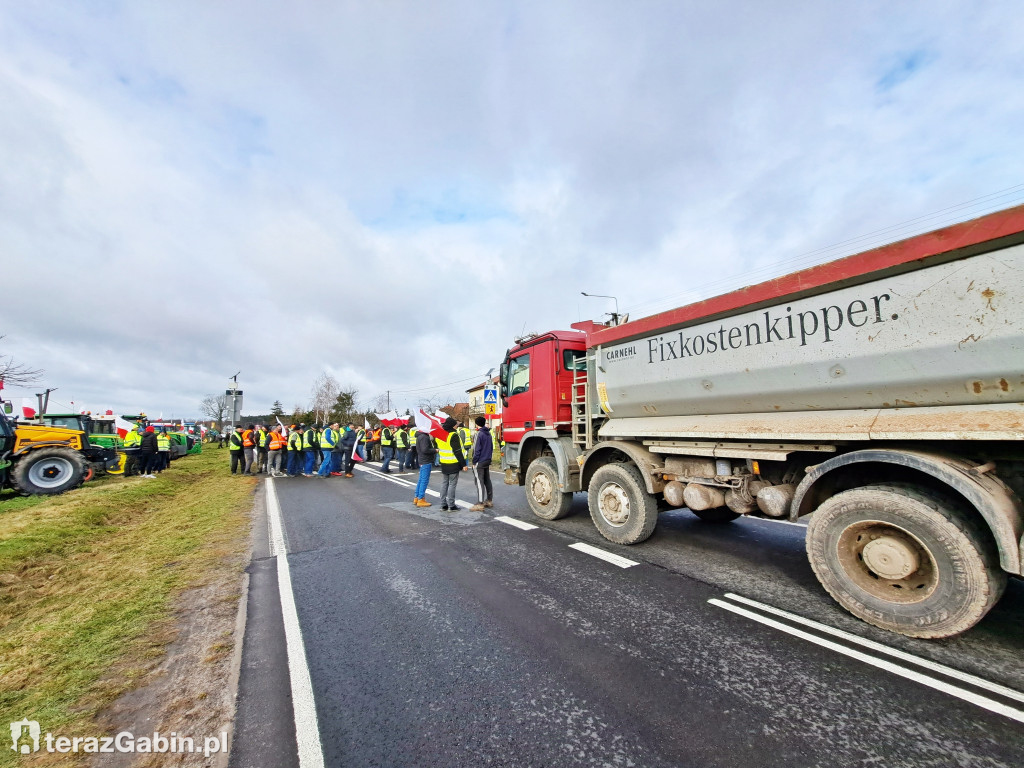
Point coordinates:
[(943, 330)]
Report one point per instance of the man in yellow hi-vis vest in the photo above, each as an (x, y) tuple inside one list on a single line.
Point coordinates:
[(453, 461)]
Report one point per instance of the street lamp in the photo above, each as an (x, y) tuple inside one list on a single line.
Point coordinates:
[(615, 314)]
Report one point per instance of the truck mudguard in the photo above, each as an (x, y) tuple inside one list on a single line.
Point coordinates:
[(996, 503), (563, 449)]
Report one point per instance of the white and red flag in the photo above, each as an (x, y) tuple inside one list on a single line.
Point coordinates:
[(27, 409), (390, 419), (123, 427), (431, 424)]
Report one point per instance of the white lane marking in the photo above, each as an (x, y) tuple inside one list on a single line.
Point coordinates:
[(934, 666), (307, 730), (516, 523), (938, 685), (611, 557), (408, 484)]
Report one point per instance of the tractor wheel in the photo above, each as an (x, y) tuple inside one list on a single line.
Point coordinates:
[(48, 471)]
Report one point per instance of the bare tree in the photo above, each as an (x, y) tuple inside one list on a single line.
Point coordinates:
[(215, 406), (324, 396), (381, 403), (16, 373), (431, 403)]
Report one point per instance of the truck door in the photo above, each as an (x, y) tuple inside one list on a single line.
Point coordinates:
[(517, 415)]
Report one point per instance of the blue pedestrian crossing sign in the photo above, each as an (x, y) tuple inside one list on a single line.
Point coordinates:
[(490, 396)]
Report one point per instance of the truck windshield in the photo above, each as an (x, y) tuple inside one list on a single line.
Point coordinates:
[(519, 374)]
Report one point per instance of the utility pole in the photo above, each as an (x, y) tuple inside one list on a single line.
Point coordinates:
[(235, 402)]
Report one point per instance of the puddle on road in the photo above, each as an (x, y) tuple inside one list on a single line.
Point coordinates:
[(459, 517)]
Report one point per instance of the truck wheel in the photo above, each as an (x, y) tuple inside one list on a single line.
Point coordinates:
[(546, 501), (620, 506), (716, 515), (906, 559), (47, 471)]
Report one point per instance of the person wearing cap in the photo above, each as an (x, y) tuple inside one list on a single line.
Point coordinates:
[(275, 448), (309, 443), (425, 452), (295, 450), (453, 461), (483, 451), (262, 447), (328, 443), (148, 449), (347, 447)]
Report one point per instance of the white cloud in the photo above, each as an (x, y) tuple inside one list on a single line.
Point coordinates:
[(391, 191)]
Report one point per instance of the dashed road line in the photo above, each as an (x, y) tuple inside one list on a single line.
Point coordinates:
[(516, 523), (939, 685), (307, 729), (610, 557)]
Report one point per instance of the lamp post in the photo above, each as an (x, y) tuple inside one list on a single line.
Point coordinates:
[(615, 314)]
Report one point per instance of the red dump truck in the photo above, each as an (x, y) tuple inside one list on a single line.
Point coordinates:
[(882, 394)]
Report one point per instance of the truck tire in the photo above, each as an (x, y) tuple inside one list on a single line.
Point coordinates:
[(546, 501), (620, 506), (906, 559), (48, 471), (716, 515)]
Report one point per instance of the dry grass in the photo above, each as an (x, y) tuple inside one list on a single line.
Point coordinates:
[(88, 582)]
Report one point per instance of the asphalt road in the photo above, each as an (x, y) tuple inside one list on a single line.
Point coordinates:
[(457, 639)]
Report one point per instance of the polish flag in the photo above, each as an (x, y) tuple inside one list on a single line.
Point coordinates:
[(366, 423), (123, 427), (431, 424), (26, 408), (390, 419)]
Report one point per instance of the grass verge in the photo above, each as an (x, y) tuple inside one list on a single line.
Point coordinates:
[(88, 582)]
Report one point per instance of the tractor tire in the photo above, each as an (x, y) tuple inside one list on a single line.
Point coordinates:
[(545, 499), (716, 515), (90, 473), (620, 506), (48, 471), (906, 559)]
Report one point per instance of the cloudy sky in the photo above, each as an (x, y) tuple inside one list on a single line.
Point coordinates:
[(390, 191)]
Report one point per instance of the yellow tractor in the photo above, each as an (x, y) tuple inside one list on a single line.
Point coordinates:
[(40, 459)]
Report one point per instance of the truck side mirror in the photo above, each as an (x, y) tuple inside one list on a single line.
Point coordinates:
[(8, 407)]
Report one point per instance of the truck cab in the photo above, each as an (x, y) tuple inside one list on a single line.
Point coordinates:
[(536, 383)]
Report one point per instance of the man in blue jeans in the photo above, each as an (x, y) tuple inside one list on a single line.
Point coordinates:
[(328, 440), (425, 452)]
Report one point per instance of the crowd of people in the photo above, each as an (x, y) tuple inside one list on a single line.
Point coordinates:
[(333, 450), (152, 454)]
